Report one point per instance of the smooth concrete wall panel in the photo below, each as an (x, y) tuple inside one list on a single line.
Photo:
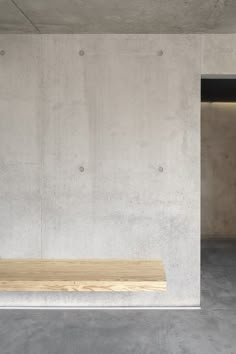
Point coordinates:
[(67, 223), (218, 121), (20, 144), (127, 110), (219, 54)]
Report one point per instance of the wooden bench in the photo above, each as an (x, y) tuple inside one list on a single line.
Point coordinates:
[(81, 275)]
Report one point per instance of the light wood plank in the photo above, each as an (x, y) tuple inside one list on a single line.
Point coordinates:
[(81, 275)]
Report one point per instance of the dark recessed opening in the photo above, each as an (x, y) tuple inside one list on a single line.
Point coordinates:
[(220, 90)]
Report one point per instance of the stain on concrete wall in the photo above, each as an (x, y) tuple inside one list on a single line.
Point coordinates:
[(218, 150)]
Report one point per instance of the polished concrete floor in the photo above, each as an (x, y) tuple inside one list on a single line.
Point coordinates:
[(211, 330)]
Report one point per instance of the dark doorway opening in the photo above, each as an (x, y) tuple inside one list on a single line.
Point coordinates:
[(218, 159), (218, 191)]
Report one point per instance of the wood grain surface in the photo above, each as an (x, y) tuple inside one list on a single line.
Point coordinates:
[(81, 275)]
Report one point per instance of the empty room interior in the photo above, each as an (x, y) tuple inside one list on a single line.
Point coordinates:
[(117, 177)]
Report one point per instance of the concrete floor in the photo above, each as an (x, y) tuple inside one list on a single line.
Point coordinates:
[(209, 331)]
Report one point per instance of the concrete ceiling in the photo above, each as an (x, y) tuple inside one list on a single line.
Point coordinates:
[(117, 16)]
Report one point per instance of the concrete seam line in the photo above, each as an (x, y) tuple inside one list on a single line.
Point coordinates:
[(27, 18)]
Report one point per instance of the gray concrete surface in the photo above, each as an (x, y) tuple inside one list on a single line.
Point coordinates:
[(207, 331), (128, 106), (218, 184), (218, 55), (130, 117), (118, 16), (12, 20)]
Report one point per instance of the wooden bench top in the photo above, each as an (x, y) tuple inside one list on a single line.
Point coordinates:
[(81, 275)]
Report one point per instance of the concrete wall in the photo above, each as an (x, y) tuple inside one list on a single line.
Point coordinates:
[(128, 112), (218, 127)]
